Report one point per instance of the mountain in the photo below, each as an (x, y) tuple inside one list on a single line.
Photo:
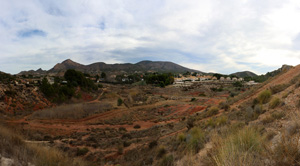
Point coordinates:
[(65, 65), (33, 72), (244, 74), (284, 68), (95, 68)]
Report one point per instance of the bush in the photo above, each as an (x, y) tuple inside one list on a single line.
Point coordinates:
[(224, 105), (181, 137), (274, 103), (161, 151), (286, 151), (212, 111), (195, 139), (120, 149), (137, 126), (193, 99), (268, 119), (278, 88), (264, 96), (152, 144), (82, 151), (238, 148), (250, 114), (126, 144), (258, 109), (278, 114), (216, 122), (167, 160), (120, 101), (122, 129)]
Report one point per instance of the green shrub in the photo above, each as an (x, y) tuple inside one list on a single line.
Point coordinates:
[(193, 99), (82, 151), (224, 105), (120, 102), (120, 149), (126, 144), (216, 122), (100, 86), (195, 139), (202, 94), (278, 88), (274, 103), (264, 96), (298, 103), (181, 137), (268, 119), (278, 114), (167, 160), (212, 111), (136, 126), (161, 151), (152, 144), (122, 129), (258, 109)]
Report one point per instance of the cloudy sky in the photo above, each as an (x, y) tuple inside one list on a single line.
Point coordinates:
[(208, 35)]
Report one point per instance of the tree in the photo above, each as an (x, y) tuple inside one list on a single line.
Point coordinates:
[(103, 75), (47, 88)]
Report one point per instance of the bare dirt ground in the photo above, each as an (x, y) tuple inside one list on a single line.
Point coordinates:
[(147, 114)]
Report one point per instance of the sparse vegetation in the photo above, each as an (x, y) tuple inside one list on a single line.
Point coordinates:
[(167, 160), (274, 103), (264, 96), (225, 106), (74, 111), (278, 88), (241, 147), (195, 139), (211, 111), (13, 146), (181, 137)]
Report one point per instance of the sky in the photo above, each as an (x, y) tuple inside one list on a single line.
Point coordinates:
[(207, 35)]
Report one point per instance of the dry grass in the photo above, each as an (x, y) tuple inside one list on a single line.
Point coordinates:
[(264, 97), (242, 147), (274, 103), (74, 111), (278, 88), (13, 146)]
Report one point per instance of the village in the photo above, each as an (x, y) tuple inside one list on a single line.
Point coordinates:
[(179, 79)]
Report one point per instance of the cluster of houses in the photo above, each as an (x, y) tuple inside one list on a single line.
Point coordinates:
[(199, 78)]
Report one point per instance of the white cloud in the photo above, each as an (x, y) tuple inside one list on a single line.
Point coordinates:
[(208, 35)]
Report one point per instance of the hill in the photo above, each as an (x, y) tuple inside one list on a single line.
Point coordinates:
[(96, 68), (178, 126), (244, 74)]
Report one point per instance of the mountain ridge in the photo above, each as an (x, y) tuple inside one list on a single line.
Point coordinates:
[(97, 67)]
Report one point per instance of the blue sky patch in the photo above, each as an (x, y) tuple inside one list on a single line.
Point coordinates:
[(31, 33)]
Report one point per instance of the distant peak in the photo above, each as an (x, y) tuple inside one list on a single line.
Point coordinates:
[(68, 61)]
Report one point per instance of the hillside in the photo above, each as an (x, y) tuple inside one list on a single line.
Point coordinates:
[(96, 68), (244, 74), (205, 123)]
